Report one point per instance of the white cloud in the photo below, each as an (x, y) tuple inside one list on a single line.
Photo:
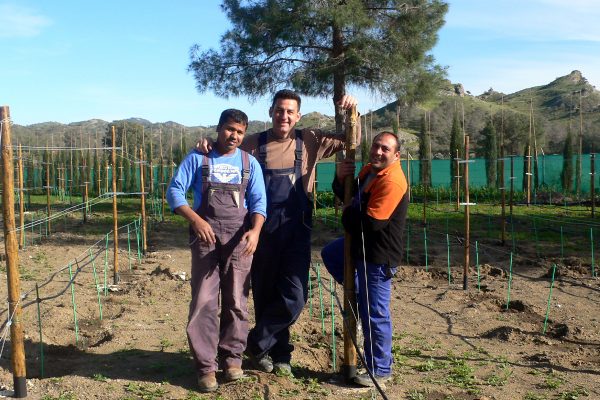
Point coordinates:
[(17, 21)]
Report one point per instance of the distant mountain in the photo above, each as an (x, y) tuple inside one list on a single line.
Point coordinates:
[(552, 108)]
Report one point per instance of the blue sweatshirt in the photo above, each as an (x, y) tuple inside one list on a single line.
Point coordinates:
[(224, 169)]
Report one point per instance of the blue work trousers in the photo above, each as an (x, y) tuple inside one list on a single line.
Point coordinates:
[(373, 296)]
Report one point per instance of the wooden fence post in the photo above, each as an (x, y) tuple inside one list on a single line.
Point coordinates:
[(593, 181), (21, 202), (350, 311), (114, 203), (467, 215), (143, 206), (17, 357)]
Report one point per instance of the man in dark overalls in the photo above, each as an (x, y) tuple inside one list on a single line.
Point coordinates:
[(280, 267), (225, 222)]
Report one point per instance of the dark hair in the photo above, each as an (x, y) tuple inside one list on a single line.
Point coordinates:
[(392, 134), (234, 115), (286, 94)]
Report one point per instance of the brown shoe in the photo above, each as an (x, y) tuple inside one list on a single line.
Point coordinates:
[(233, 374), (207, 382)]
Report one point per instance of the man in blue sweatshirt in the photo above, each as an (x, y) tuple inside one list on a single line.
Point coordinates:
[(225, 221)]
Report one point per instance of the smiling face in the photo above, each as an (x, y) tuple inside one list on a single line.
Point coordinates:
[(384, 151), (284, 114), (230, 136)]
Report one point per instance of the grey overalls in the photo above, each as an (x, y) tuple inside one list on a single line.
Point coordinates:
[(220, 267), (281, 261)]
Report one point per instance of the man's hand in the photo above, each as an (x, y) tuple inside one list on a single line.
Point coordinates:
[(204, 231), (347, 102), (346, 168), (251, 239), (204, 145)]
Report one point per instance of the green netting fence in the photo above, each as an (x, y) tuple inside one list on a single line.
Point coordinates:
[(548, 173), (549, 168)]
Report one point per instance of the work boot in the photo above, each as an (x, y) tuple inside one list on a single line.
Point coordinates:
[(208, 382), (365, 380), (233, 374), (263, 363), (282, 369)]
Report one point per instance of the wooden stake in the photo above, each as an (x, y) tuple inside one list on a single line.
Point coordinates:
[(85, 201), (17, 357), (143, 205), (350, 358), (99, 172), (580, 150), (22, 203), (512, 185), (528, 155), (457, 180), (408, 174), (106, 168), (162, 189), (172, 159), (48, 224), (467, 215), (592, 181), (502, 183), (115, 218), (528, 176)]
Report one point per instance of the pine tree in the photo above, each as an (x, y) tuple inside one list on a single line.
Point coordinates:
[(425, 154), (490, 152), (567, 171), (455, 146), (319, 47), (525, 162)]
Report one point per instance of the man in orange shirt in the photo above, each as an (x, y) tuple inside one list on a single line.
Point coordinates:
[(375, 220)]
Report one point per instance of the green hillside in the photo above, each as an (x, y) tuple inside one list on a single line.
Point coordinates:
[(551, 107)]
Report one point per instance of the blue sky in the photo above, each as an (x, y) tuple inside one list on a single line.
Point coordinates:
[(70, 60)]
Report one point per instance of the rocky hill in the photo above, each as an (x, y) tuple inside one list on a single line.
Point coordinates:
[(552, 108)]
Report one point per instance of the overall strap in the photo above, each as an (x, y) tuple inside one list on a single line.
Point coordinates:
[(245, 167), (298, 155), (245, 176), (262, 149), (205, 169)]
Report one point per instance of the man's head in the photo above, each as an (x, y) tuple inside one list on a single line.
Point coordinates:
[(231, 129), (285, 112), (385, 150)]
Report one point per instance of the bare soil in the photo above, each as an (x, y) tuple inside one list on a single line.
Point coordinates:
[(449, 343)]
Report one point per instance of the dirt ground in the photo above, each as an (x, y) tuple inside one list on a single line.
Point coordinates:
[(448, 343)]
